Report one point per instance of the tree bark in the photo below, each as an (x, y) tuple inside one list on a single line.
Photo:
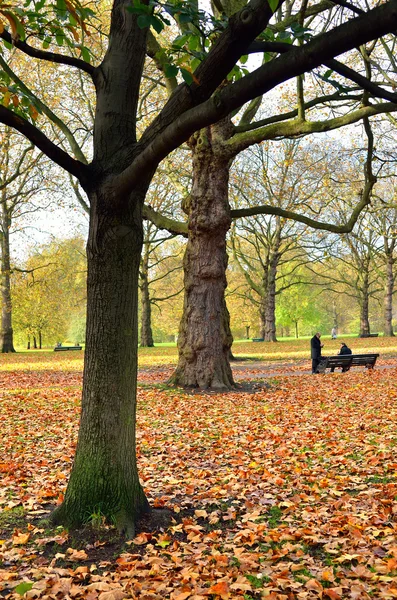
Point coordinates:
[(205, 338), (364, 310), (388, 299), (34, 343), (104, 478), (40, 340), (146, 309), (6, 334)]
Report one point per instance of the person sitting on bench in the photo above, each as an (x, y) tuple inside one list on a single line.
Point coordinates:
[(344, 349)]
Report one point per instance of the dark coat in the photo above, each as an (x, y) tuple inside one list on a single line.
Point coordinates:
[(315, 346), (345, 350)]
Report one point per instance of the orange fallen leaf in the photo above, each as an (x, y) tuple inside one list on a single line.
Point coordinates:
[(20, 539), (219, 589)]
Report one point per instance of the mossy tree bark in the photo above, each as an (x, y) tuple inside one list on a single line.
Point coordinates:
[(205, 339), (6, 334), (104, 478)]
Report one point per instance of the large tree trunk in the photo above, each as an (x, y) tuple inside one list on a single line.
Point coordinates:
[(204, 338), (146, 309), (104, 478), (388, 299), (6, 334)]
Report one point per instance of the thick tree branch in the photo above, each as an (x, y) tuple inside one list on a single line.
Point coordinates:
[(47, 111), (34, 135), (48, 56), (163, 137), (243, 28), (289, 214), (336, 97), (338, 67), (297, 128), (163, 222)]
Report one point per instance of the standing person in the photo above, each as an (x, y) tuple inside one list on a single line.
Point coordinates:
[(315, 346), (333, 333)]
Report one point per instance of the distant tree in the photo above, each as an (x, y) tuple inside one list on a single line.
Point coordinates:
[(157, 260), (270, 248), (50, 290), (383, 222), (20, 182), (299, 306)]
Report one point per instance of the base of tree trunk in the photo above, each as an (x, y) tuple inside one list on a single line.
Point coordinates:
[(192, 377), (7, 348), (73, 514), (6, 341)]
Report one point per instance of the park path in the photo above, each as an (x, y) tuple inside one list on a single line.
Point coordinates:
[(247, 370)]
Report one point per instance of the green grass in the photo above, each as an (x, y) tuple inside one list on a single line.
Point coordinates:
[(285, 350)]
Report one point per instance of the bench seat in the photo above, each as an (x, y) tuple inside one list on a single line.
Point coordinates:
[(345, 361), (63, 348)]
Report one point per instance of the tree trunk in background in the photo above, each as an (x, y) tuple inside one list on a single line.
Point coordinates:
[(334, 315), (364, 310), (6, 334), (268, 304), (388, 299), (40, 340), (270, 316), (204, 338), (28, 345), (104, 478), (34, 343), (146, 309)]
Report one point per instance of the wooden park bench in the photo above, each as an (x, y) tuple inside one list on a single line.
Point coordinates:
[(367, 335), (258, 339), (62, 348), (345, 361)]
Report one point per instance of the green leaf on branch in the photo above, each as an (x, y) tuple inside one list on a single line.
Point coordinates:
[(144, 21), (170, 71), (85, 54), (157, 24), (60, 38), (180, 41), (193, 42), (273, 5), (187, 76)]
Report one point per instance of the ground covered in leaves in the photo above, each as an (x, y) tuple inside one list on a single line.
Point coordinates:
[(289, 492)]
